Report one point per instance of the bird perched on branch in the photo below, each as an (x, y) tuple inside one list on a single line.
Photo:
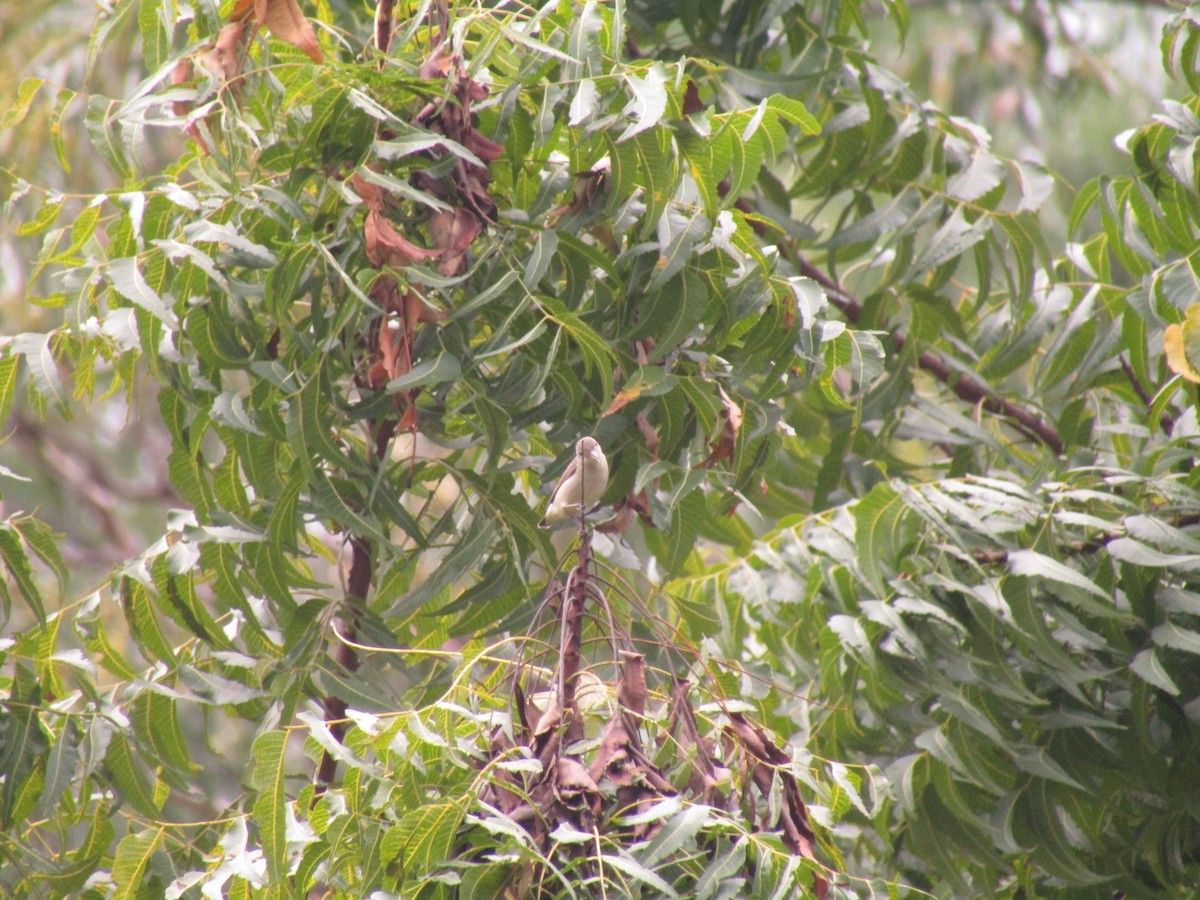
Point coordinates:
[(580, 486)]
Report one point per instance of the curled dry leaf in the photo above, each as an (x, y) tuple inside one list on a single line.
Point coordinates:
[(284, 20), (372, 194), (649, 433), (385, 367), (181, 73), (589, 186), (483, 147), (573, 776), (726, 440), (767, 762), (625, 511), (224, 58), (452, 231), (417, 310), (631, 689), (387, 247)]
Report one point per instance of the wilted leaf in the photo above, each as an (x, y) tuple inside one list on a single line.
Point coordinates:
[(1181, 342)]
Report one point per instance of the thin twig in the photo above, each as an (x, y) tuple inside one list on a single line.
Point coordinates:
[(1166, 420)]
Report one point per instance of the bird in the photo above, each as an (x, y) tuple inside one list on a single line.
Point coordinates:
[(580, 486)]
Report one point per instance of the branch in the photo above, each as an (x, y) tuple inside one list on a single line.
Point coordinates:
[(570, 653), (964, 386), (358, 585), (1166, 420), (1083, 548)]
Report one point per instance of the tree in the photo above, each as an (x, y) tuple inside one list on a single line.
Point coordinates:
[(894, 587)]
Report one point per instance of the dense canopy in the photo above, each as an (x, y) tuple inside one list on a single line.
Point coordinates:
[(892, 589)]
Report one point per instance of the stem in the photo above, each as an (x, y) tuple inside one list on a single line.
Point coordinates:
[(964, 386)]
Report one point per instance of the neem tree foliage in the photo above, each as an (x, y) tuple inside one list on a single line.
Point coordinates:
[(894, 481)]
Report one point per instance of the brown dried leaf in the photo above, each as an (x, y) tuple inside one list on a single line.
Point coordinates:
[(649, 433), (224, 58), (284, 20), (505, 787), (181, 74), (386, 246), (483, 147), (622, 517), (390, 362), (408, 419), (372, 194), (631, 689), (731, 424), (452, 231), (612, 757), (439, 64), (416, 310), (551, 718), (571, 775), (588, 186), (770, 761)]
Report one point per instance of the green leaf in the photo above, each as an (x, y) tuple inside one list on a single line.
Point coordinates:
[(648, 100), (103, 133), (747, 160), (156, 723), (270, 809), (678, 233), (21, 740), (624, 171), (45, 217), (400, 188), (8, 384), (43, 543), (952, 239), (657, 177), (143, 624), (1147, 666), (131, 860), (1032, 564), (725, 864), (442, 368), (156, 41), (636, 870), (884, 528), (16, 112), (794, 111), (126, 277), (462, 559), (61, 767), (680, 830), (412, 141), (424, 836), (686, 518), (539, 260), (1177, 638), (128, 777), (43, 368), (595, 352), (12, 552)]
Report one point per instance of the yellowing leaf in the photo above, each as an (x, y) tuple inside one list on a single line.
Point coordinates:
[(1182, 345)]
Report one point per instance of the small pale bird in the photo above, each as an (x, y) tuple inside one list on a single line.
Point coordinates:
[(580, 486)]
